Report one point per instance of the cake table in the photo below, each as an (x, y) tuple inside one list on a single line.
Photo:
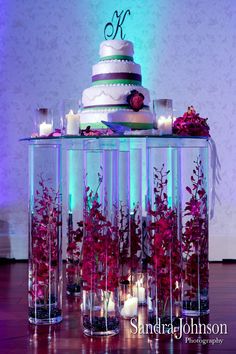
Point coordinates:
[(145, 173)]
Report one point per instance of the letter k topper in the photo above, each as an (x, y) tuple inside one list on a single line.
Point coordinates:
[(112, 28)]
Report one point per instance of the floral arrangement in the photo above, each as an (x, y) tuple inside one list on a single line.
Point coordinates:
[(124, 243), (164, 245), (135, 239), (75, 238), (195, 238), (130, 243), (135, 100), (54, 134), (96, 132), (191, 124), (45, 224), (100, 245), (100, 269)]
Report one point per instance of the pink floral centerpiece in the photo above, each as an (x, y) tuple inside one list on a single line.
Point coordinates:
[(191, 124)]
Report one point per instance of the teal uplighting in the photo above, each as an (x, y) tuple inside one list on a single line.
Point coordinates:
[(144, 27), (71, 186), (75, 181)]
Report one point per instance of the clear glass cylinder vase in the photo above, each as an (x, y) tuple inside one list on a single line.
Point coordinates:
[(45, 261), (164, 266), (137, 181), (124, 211), (74, 176), (194, 184), (100, 250)]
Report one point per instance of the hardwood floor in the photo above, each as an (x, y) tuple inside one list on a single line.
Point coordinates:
[(17, 336)]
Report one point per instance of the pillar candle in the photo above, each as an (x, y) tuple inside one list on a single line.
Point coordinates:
[(139, 291), (164, 125), (72, 125), (111, 305), (45, 129), (130, 308)]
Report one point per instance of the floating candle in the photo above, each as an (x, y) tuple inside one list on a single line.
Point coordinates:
[(130, 308)]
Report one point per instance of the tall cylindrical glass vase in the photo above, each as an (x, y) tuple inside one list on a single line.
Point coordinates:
[(45, 261), (100, 249), (194, 181), (164, 267), (73, 198)]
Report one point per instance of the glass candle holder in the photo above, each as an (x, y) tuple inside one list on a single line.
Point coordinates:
[(44, 121), (163, 111), (71, 118)]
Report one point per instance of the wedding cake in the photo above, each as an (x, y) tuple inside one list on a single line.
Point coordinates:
[(116, 95)]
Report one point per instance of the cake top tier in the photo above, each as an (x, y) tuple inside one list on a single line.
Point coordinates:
[(116, 49)]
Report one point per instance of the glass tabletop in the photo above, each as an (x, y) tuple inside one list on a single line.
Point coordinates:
[(68, 137)]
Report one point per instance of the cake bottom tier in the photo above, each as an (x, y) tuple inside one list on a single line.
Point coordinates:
[(134, 120)]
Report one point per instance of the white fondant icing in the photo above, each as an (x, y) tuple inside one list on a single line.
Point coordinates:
[(116, 47), (142, 117), (116, 66), (111, 94), (114, 94), (110, 109)]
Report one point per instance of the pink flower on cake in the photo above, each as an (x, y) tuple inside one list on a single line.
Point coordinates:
[(135, 100)]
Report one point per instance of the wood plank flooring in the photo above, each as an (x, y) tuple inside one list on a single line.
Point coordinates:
[(17, 336)]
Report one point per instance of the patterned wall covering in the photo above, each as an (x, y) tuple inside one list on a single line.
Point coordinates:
[(187, 50)]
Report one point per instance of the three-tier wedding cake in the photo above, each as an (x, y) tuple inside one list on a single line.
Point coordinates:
[(116, 94)]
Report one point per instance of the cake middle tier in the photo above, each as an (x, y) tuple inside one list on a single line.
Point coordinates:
[(116, 72), (111, 95)]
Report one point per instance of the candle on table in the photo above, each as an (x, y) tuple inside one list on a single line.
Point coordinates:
[(130, 308), (163, 110), (72, 126), (111, 306), (149, 303), (139, 291), (141, 295), (164, 125), (45, 129)]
